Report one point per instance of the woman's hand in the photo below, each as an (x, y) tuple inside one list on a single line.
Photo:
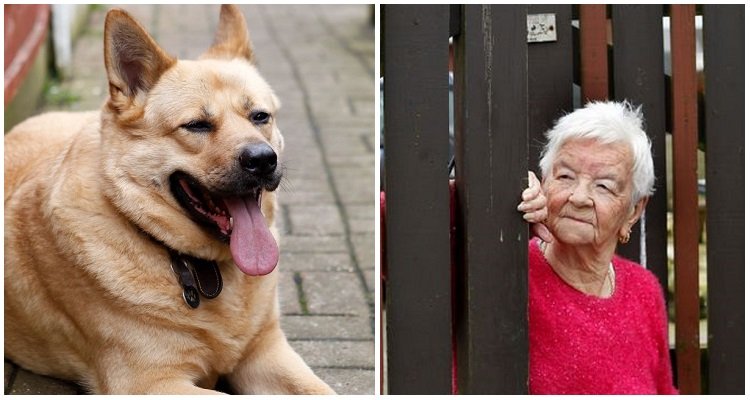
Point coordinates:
[(534, 208)]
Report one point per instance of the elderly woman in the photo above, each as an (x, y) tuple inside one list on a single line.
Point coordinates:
[(597, 322)]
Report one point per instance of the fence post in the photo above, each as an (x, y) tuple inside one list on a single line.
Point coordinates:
[(418, 305), (550, 78), (724, 52), (491, 165)]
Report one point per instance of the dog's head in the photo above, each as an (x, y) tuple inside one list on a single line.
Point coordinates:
[(191, 151)]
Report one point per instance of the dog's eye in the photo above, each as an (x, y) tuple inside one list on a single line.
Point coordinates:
[(260, 117), (199, 126)]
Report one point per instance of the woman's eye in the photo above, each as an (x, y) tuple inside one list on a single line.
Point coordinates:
[(198, 126), (604, 187), (260, 117)]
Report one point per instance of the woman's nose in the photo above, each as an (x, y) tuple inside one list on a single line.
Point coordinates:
[(580, 196)]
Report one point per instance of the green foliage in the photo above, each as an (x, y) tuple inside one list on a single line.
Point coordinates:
[(57, 95)]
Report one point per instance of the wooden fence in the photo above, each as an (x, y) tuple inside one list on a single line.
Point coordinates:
[(455, 291)]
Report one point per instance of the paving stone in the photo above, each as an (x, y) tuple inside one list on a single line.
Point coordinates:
[(301, 177), (358, 195), (364, 108), (323, 244), (30, 383), (296, 186), (334, 293), (371, 279), (346, 144), (306, 193), (349, 381), (302, 195), (346, 162), (335, 125), (318, 220), (312, 327), (336, 353), (299, 161), (9, 370), (364, 249), (361, 218), (282, 222), (314, 261), (287, 291)]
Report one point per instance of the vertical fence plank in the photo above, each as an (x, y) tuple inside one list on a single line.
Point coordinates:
[(594, 71), (491, 106), (638, 75), (724, 44), (685, 171), (416, 150), (383, 274), (550, 79)]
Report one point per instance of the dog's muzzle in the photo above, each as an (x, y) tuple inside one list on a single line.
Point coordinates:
[(231, 208)]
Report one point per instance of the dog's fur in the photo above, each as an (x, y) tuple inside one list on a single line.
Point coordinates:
[(89, 217)]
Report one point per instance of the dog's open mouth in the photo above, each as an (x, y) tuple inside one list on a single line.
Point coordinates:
[(234, 219)]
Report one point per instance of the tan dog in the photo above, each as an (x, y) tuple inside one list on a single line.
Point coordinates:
[(123, 226)]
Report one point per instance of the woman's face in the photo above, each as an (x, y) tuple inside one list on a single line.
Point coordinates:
[(589, 193)]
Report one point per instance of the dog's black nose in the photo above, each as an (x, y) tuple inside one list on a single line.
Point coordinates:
[(258, 158)]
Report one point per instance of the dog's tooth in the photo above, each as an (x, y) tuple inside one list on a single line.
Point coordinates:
[(231, 222)]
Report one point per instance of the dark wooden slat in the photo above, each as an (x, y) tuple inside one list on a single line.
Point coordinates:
[(416, 150), (685, 171), (491, 101), (724, 52), (550, 79), (594, 73), (455, 21), (383, 276), (638, 76)]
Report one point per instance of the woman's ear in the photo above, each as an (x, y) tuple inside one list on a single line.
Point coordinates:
[(634, 216)]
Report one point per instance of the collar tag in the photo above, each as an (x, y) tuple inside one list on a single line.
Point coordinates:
[(196, 276)]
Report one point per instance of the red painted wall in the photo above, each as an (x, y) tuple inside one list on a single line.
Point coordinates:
[(26, 28)]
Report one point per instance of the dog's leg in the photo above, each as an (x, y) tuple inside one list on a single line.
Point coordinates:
[(271, 366), (148, 383), (162, 387), (179, 387)]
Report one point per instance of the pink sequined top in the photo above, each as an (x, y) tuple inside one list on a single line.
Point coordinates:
[(581, 344)]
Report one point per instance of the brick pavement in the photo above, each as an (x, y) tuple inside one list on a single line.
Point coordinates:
[(320, 61)]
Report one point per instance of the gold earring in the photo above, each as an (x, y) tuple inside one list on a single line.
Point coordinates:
[(625, 238)]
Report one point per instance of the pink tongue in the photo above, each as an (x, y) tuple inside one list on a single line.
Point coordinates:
[(253, 247)]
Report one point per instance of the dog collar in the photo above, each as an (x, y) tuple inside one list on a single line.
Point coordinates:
[(196, 277)]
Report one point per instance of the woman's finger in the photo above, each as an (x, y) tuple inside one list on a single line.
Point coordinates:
[(537, 202), (530, 193), (533, 181), (541, 231), (535, 216)]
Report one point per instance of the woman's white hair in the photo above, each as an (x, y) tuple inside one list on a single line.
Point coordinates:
[(606, 122)]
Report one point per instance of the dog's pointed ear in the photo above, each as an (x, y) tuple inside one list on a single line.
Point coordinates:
[(133, 60), (232, 39)]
